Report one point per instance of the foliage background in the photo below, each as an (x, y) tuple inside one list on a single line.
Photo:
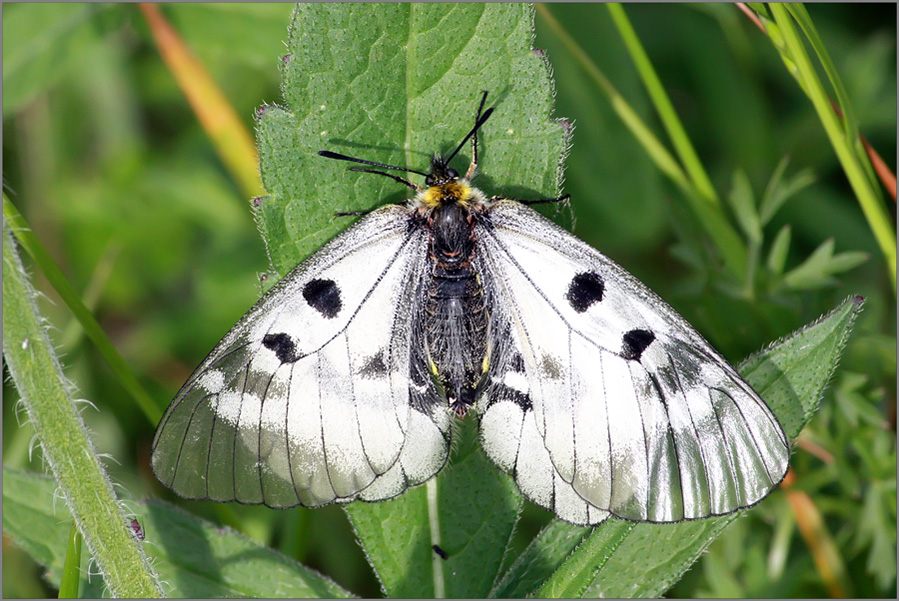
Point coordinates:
[(107, 161)]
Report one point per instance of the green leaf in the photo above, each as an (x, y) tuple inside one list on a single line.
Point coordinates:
[(777, 256), (778, 192), (193, 557), (202, 559), (395, 83), (813, 272), (844, 261), (644, 560), (819, 267), (469, 511), (743, 203), (877, 525), (540, 559), (30, 521), (792, 373), (71, 570), (582, 566)]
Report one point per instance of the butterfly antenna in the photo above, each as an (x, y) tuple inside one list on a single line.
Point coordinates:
[(342, 157), (396, 178), (481, 120)]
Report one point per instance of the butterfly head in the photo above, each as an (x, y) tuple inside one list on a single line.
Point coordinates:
[(443, 186)]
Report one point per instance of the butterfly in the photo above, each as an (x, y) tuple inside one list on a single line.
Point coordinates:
[(344, 380)]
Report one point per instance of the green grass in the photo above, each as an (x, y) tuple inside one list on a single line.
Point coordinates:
[(102, 152)]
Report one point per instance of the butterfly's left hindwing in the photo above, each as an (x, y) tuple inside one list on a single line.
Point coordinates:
[(601, 399), (316, 395)]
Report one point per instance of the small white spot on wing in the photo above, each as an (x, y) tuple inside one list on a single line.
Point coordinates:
[(211, 381)]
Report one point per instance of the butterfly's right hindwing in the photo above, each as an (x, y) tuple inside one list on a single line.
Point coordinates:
[(313, 397)]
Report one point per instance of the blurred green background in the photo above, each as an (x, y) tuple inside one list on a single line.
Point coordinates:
[(106, 160)]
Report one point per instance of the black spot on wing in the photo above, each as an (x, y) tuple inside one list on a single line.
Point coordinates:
[(323, 296), (282, 345), (635, 342), (517, 363), (585, 289)]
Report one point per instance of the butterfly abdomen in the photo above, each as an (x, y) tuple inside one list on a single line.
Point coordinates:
[(456, 319)]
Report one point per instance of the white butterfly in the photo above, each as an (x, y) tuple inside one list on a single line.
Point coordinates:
[(342, 382)]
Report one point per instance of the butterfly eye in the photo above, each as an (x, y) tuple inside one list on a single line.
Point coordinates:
[(452, 174)]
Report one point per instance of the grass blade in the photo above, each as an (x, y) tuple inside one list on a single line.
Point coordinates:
[(228, 134), (867, 194), (51, 271)]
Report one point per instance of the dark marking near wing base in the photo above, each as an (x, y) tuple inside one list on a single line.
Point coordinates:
[(635, 342), (323, 296), (501, 392), (282, 345), (521, 399), (517, 363), (585, 289), (550, 367), (440, 552), (374, 367)]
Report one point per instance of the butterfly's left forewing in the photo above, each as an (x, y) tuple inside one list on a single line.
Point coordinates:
[(601, 398), (316, 395)]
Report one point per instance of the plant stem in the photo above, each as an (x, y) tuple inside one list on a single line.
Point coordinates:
[(82, 479)]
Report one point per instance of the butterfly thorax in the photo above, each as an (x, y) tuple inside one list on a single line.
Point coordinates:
[(455, 317)]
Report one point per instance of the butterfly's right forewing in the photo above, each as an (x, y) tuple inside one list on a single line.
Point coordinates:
[(314, 396)]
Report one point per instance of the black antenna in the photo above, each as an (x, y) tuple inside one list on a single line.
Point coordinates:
[(396, 178), (483, 118), (342, 157)]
